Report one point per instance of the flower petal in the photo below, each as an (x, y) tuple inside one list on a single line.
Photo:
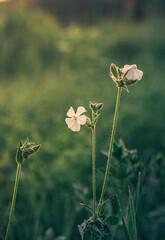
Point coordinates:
[(81, 119), (80, 110), (127, 68), (129, 75), (75, 127), (134, 74), (70, 122), (140, 74), (71, 112)]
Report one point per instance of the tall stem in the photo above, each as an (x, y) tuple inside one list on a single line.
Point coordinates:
[(13, 200), (111, 146), (94, 164)]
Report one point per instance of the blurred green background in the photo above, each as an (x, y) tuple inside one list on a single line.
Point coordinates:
[(56, 54)]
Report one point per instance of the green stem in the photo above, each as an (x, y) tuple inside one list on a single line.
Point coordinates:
[(13, 200), (92, 236), (110, 147), (94, 164)]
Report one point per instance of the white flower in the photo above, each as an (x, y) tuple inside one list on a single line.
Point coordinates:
[(75, 119), (131, 72)]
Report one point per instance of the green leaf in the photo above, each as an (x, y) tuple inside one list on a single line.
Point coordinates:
[(19, 156), (103, 204), (112, 220), (87, 207), (137, 193), (97, 230), (122, 171), (132, 213)]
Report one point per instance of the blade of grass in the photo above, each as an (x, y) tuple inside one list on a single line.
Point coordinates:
[(132, 213), (136, 201), (126, 233), (137, 193)]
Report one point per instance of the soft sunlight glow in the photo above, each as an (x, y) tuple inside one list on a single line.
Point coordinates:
[(1, 1)]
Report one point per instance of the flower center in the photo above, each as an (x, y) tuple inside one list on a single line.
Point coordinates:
[(74, 117)]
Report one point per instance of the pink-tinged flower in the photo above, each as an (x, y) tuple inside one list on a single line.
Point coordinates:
[(74, 120), (132, 73)]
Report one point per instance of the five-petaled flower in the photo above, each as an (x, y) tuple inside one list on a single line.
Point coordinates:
[(132, 73), (74, 120)]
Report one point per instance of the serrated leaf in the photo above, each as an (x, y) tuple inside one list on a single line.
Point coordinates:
[(112, 220)]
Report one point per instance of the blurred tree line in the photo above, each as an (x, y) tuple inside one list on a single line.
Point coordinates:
[(88, 11)]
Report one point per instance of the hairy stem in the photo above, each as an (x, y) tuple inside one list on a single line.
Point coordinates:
[(94, 164), (13, 200), (110, 147)]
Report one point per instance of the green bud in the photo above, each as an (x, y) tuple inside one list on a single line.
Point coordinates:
[(31, 150), (114, 71), (19, 155), (92, 106), (95, 106), (99, 106), (89, 123), (26, 150)]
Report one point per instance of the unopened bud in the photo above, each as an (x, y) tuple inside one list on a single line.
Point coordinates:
[(131, 74), (26, 150), (114, 71), (19, 155), (95, 106), (92, 106), (31, 150), (99, 106), (89, 123)]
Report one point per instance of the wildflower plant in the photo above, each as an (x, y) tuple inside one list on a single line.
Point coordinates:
[(98, 226), (25, 151)]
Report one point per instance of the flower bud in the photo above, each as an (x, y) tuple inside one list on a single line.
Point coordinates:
[(99, 106), (26, 150), (114, 71), (95, 106), (92, 106), (29, 151), (131, 74), (89, 123), (19, 155)]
